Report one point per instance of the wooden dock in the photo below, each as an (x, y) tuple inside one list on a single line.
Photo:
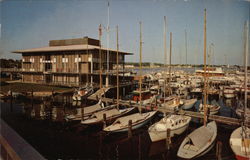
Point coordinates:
[(217, 118), (15, 147)]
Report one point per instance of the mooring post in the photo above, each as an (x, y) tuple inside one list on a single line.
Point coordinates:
[(104, 120), (11, 101), (129, 128), (82, 110), (168, 139), (218, 150)]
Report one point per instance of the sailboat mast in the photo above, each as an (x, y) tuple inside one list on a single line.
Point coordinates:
[(117, 68), (186, 44), (87, 60), (100, 55), (107, 75), (205, 68), (170, 55), (165, 55), (140, 79), (246, 57)]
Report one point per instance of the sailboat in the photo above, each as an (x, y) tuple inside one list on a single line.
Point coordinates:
[(113, 113), (176, 123), (240, 137), (87, 111), (201, 140), (138, 119)]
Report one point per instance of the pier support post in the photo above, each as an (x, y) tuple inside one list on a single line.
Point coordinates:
[(32, 98), (168, 139), (129, 128), (11, 101), (104, 120), (218, 150), (82, 110)]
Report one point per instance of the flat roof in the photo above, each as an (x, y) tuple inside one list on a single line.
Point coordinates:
[(80, 47)]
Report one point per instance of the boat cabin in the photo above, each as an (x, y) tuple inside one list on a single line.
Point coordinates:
[(144, 95)]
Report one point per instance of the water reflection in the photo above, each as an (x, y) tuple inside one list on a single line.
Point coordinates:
[(91, 143)]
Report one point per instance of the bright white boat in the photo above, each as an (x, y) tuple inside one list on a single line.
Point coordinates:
[(188, 103), (176, 123), (199, 142), (214, 109), (240, 143), (111, 114), (138, 120)]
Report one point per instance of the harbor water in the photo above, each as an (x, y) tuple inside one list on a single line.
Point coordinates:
[(41, 123)]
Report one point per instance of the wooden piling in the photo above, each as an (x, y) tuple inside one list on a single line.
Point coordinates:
[(129, 128), (218, 150), (82, 110), (168, 139), (11, 101), (104, 120)]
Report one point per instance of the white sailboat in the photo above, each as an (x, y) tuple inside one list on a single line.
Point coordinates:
[(240, 138), (87, 111), (138, 119), (201, 140), (111, 114), (176, 123)]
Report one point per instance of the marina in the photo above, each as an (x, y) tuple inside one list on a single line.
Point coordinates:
[(80, 98)]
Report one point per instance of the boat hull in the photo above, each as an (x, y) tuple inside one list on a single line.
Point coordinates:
[(236, 145), (229, 95), (161, 135), (134, 126)]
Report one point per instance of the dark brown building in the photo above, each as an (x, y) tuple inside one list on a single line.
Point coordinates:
[(69, 62)]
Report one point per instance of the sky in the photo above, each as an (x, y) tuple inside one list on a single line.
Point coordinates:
[(32, 23)]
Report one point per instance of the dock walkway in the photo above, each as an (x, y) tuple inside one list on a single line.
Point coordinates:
[(219, 119), (15, 147)]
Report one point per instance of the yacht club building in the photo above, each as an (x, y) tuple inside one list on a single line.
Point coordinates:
[(71, 62)]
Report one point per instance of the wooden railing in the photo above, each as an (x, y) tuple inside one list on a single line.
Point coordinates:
[(14, 147)]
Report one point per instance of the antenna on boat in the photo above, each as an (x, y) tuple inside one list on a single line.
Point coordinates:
[(100, 55), (205, 68), (117, 68), (165, 55), (140, 79)]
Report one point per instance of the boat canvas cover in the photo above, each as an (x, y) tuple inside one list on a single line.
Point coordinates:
[(134, 117), (201, 136), (109, 113), (92, 108)]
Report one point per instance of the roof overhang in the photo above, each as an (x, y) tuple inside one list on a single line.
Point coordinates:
[(51, 49)]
